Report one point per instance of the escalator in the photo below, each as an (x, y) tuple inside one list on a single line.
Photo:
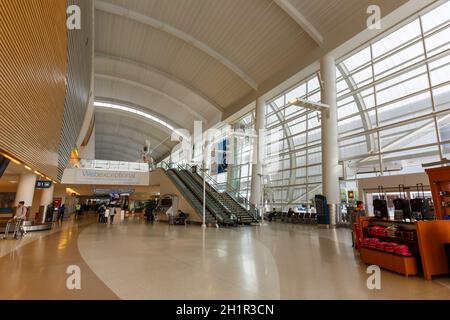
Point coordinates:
[(191, 198), (224, 216), (194, 194), (245, 216)]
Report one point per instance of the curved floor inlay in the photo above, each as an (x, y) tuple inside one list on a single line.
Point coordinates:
[(139, 261), (37, 269)]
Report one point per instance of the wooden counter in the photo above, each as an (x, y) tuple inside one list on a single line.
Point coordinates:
[(390, 261)]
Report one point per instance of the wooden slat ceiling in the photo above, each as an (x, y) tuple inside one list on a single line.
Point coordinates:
[(210, 54), (80, 48), (33, 65)]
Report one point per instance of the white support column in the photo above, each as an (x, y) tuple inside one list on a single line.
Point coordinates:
[(46, 199), (330, 151), (255, 196), (25, 189)]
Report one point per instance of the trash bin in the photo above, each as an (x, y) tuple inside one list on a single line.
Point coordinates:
[(171, 219)]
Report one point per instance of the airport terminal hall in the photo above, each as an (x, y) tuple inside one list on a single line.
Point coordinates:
[(225, 150)]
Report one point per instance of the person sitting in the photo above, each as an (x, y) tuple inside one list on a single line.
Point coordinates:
[(272, 215), (290, 213), (182, 217)]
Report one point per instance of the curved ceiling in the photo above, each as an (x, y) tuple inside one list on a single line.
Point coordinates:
[(120, 135), (193, 59)]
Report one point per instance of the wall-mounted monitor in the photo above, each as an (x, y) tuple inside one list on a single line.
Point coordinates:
[(3, 165)]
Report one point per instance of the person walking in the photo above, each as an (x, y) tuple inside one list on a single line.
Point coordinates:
[(112, 214), (77, 210), (101, 213), (61, 212), (106, 216)]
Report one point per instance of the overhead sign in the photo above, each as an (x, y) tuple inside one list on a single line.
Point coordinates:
[(222, 161), (43, 184), (104, 177), (99, 191)]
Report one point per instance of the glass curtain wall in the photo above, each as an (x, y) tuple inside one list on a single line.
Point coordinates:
[(242, 144), (394, 99), (393, 115), (298, 151)]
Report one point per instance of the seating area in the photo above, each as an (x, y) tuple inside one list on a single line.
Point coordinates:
[(294, 218)]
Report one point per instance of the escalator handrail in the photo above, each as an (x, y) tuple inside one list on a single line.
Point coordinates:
[(234, 194), (216, 214), (184, 190), (230, 190), (208, 190)]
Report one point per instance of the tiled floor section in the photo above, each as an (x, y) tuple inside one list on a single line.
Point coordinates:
[(140, 261), (36, 269)]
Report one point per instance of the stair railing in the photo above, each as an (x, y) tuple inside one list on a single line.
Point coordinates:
[(233, 192)]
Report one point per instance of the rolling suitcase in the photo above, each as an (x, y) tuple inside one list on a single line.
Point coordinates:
[(380, 208), (402, 205)]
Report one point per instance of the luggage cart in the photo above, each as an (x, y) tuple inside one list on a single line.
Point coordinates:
[(19, 230)]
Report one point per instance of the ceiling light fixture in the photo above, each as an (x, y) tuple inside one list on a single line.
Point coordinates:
[(311, 105), (11, 158), (134, 111), (71, 191)]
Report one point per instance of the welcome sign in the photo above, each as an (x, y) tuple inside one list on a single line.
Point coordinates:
[(104, 177)]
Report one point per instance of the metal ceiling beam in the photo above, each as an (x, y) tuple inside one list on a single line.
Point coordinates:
[(164, 27), (159, 72), (104, 153), (298, 17), (146, 87), (106, 125), (104, 137), (132, 115), (128, 149)]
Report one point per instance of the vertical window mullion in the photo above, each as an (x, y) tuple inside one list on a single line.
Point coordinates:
[(433, 103)]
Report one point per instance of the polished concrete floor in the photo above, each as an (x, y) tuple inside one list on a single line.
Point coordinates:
[(135, 260)]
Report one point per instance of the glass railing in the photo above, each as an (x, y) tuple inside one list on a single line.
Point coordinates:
[(111, 165)]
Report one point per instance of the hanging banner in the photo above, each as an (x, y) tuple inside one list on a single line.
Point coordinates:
[(222, 152), (104, 177)]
